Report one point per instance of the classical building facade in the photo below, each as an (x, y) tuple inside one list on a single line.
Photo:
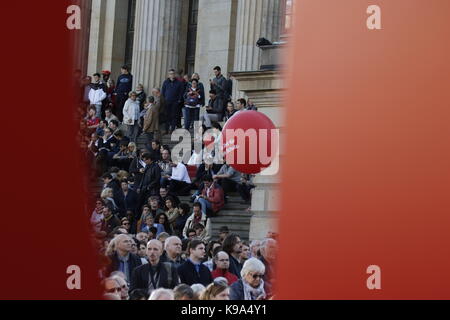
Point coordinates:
[(153, 36)]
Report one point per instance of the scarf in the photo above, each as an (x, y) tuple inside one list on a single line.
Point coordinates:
[(251, 293)]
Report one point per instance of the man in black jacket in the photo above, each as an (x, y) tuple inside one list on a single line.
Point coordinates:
[(155, 274), (126, 199), (123, 87), (122, 259), (172, 91), (151, 178), (193, 270), (233, 246)]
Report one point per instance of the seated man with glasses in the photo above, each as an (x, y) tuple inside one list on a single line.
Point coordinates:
[(251, 286)]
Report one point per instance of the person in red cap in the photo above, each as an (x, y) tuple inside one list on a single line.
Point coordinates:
[(106, 75)]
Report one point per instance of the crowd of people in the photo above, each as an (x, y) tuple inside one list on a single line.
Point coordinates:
[(153, 245)]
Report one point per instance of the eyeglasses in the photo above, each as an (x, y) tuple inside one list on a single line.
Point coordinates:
[(224, 260), (256, 276)]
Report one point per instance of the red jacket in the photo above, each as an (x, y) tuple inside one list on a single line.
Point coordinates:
[(216, 197), (226, 274)]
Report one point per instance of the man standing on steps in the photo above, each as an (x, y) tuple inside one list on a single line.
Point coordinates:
[(172, 91), (220, 85), (123, 88), (151, 178)]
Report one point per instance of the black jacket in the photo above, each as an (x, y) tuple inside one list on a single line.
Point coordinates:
[(133, 262), (135, 166), (140, 276), (237, 291), (151, 179), (128, 202), (107, 145), (188, 274), (217, 107), (235, 267), (173, 91), (177, 263), (110, 224)]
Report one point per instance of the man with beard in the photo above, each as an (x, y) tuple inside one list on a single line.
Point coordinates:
[(156, 274), (233, 246)]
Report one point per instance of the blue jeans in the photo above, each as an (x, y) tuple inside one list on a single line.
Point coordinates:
[(98, 111), (190, 115), (205, 205)]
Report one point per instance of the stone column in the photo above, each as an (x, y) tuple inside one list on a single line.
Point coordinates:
[(216, 33), (255, 19), (156, 41), (108, 30)]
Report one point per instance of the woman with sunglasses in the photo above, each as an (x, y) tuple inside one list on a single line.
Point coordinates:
[(125, 223), (251, 286)]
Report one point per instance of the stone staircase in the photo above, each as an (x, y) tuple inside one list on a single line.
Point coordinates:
[(234, 215)]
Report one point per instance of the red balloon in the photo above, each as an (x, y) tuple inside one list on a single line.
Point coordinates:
[(250, 141)]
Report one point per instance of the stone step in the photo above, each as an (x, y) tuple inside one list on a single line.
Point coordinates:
[(234, 213), (244, 236), (230, 220), (231, 226)]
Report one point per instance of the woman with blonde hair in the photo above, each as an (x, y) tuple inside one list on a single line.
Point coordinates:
[(251, 285), (122, 175), (218, 290), (132, 150), (107, 197)]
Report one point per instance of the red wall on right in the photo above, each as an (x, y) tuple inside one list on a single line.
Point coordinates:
[(366, 177)]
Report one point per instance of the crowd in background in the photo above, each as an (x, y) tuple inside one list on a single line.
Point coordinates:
[(153, 245)]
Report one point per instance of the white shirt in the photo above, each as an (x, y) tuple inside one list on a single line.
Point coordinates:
[(180, 173)]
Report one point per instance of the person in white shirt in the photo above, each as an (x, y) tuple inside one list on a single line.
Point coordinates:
[(131, 112), (180, 182), (97, 94)]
